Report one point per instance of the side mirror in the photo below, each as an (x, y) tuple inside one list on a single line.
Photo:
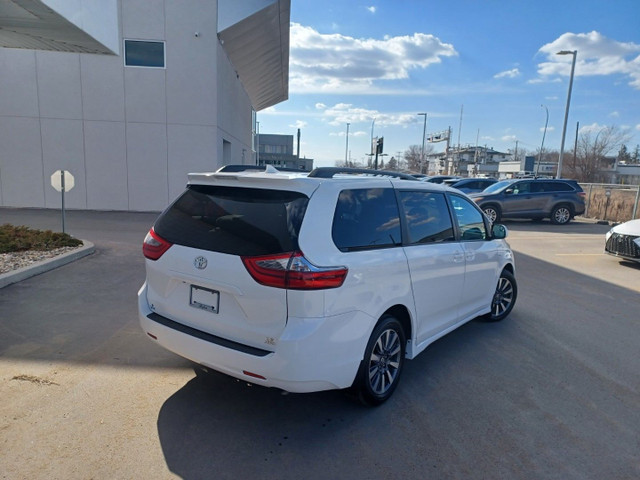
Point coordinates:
[(499, 231)]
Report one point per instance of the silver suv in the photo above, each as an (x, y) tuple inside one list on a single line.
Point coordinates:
[(325, 280)]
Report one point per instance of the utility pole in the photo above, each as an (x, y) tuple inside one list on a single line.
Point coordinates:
[(575, 146), (424, 133), (566, 111)]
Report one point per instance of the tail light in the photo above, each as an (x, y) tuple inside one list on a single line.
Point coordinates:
[(154, 245), (293, 271)]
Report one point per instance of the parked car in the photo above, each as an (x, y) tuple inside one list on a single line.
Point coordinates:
[(438, 178), (557, 199), (471, 185), (326, 280), (624, 241)]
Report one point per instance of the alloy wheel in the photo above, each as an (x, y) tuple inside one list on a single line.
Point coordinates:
[(384, 363), (503, 297), (562, 215)]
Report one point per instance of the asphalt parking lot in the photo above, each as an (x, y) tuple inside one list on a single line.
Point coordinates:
[(551, 392)]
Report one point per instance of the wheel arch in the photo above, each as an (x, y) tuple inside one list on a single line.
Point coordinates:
[(494, 205), (569, 205), (404, 317)]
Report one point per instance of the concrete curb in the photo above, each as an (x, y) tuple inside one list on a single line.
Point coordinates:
[(45, 265)]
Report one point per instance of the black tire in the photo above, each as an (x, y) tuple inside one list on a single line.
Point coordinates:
[(493, 212), (561, 214), (504, 298), (380, 370)]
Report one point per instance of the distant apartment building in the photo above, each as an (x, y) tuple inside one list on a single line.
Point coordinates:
[(467, 161), (277, 150), (132, 95)]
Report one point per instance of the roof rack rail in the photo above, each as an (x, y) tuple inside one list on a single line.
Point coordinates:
[(233, 168), (329, 172)]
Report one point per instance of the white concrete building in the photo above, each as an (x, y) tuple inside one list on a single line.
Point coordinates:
[(131, 95)]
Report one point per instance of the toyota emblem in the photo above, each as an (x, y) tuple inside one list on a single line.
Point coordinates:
[(200, 263)]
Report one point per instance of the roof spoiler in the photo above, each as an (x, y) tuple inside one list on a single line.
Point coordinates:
[(257, 168)]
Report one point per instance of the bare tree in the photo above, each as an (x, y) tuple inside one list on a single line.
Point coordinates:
[(591, 151), (349, 164), (413, 157)]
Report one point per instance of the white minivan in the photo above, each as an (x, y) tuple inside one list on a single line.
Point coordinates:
[(321, 280)]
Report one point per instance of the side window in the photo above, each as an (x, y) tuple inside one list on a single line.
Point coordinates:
[(522, 188), (366, 218), (557, 187), (540, 187), (427, 216), (470, 219)]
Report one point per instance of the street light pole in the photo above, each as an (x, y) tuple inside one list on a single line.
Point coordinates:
[(566, 112), (544, 134), (346, 152), (424, 132)]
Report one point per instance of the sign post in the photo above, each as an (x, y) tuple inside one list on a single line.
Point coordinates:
[(62, 181)]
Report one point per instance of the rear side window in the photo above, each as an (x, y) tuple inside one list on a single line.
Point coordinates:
[(556, 187), (366, 219), (237, 221), (427, 215)]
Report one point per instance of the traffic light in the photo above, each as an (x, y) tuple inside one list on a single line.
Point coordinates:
[(379, 145)]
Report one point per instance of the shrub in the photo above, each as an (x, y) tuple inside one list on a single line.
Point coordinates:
[(16, 239)]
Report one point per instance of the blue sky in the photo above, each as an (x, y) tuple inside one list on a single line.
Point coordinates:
[(352, 61)]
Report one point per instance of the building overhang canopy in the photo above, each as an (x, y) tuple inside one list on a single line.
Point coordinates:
[(59, 25), (255, 36)]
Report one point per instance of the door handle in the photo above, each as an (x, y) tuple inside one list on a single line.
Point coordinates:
[(458, 257)]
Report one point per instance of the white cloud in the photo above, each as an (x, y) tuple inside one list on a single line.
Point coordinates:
[(593, 128), (549, 129), (614, 114), (513, 73), (359, 133), (638, 127), (597, 55), (343, 113), (299, 124), (320, 106), (372, 9), (508, 138), (332, 62)]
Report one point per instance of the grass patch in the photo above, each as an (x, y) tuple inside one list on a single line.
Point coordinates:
[(18, 239)]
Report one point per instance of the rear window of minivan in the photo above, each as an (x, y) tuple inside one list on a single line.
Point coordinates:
[(236, 221)]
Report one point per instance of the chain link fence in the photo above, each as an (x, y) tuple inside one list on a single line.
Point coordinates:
[(614, 203)]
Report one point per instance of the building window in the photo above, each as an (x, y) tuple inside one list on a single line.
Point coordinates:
[(138, 53)]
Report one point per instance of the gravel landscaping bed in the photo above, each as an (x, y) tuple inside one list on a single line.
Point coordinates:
[(16, 260)]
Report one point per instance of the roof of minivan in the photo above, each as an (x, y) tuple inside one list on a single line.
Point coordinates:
[(304, 182)]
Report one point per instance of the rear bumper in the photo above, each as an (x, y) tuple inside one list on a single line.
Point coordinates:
[(312, 354)]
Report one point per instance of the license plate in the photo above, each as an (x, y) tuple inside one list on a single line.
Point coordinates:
[(204, 299)]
